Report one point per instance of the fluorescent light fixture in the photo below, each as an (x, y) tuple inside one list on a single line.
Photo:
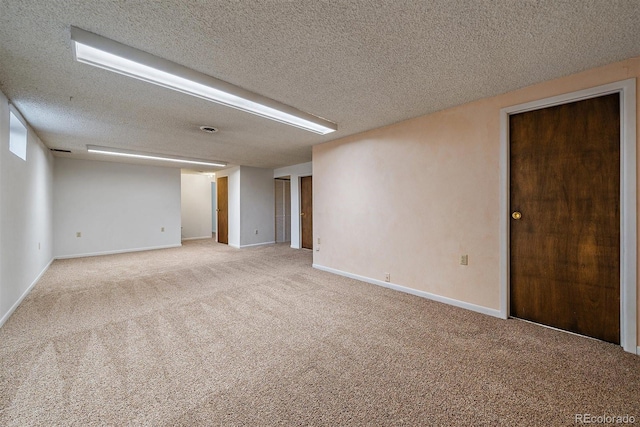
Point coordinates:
[(148, 156), (92, 49)]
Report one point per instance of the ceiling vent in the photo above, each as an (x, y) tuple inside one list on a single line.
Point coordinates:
[(58, 150), (208, 129)]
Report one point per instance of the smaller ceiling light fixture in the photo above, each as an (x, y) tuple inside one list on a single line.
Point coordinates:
[(92, 49), (148, 156)]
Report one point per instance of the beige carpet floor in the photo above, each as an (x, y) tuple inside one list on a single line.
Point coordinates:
[(209, 335)]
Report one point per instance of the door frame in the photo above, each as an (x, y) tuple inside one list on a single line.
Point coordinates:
[(628, 192)]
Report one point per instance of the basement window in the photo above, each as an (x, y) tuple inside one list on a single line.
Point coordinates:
[(17, 136)]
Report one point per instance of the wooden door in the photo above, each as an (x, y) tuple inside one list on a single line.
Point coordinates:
[(223, 209), (306, 211), (565, 246)]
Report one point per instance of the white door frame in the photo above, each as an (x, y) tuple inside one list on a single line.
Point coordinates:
[(628, 207)]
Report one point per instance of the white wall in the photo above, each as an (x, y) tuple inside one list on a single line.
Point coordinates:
[(257, 206), (195, 206), (251, 205), (214, 206), (295, 172), (233, 175), (26, 199), (117, 207)]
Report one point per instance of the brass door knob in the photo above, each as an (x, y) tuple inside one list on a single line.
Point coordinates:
[(516, 215)]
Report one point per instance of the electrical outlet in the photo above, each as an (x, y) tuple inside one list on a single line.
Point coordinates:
[(38, 245), (256, 231), (162, 229), (78, 234), (464, 259), (318, 248), (387, 277)]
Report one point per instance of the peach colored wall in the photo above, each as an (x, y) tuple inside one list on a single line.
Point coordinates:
[(410, 198)]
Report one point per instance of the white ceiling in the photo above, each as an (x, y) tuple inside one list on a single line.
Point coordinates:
[(362, 64)]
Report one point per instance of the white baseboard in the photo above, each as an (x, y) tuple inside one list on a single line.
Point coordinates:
[(258, 244), (24, 295), (196, 238), (423, 294), (119, 251)]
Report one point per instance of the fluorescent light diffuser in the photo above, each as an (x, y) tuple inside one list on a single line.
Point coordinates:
[(138, 155), (110, 55)]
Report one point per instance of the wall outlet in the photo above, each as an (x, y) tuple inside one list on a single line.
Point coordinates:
[(78, 234), (387, 277), (318, 248), (38, 245), (464, 259), (255, 231), (162, 229)]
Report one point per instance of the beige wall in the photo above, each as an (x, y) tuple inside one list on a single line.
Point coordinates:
[(410, 198)]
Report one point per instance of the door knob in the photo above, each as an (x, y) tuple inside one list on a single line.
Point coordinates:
[(301, 213), (516, 215)]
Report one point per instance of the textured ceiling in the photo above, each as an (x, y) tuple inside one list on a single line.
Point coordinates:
[(362, 64)]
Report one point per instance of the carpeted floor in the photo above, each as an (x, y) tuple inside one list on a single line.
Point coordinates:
[(209, 335)]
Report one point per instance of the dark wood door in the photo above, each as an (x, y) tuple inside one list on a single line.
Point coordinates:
[(223, 209), (306, 211), (565, 247)]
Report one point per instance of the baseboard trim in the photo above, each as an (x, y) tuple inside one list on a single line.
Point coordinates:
[(423, 294), (196, 238), (638, 351), (119, 251), (24, 295), (258, 244)]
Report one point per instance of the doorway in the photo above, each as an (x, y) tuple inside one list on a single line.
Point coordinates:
[(223, 209), (306, 211), (628, 200), (565, 226)]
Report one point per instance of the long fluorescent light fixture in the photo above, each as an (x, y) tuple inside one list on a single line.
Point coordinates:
[(138, 155), (92, 49)]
